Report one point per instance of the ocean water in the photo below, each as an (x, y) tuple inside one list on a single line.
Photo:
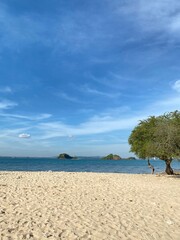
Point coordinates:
[(82, 164)]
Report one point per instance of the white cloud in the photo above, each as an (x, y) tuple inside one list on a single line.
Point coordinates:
[(24, 135), (6, 104), (176, 86)]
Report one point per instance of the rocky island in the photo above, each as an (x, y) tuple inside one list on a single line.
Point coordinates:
[(116, 157), (65, 156), (112, 157), (130, 158)]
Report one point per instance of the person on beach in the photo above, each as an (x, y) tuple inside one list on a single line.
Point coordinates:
[(151, 166)]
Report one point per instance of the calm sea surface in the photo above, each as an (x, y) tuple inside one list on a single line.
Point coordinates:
[(82, 165)]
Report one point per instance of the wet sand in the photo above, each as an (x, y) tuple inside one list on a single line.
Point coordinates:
[(59, 205)]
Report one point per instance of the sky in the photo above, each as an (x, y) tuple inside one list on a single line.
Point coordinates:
[(76, 76)]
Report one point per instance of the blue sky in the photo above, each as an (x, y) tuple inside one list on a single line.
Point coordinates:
[(76, 76)]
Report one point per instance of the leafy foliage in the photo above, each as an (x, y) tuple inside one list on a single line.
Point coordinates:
[(157, 137)]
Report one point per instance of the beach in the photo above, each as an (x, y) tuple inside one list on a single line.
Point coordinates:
[(90, 206)]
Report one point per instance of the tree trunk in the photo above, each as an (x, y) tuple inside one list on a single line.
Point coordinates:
[(169, 170)]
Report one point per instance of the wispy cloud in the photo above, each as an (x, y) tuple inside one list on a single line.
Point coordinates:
[(117, 111), (174, 26), (112, 80), (6, 104), (68, 97), (12, 26), (39, 117), (12, 133), (94, 91), (74, 32), (68, 31), (169, 103), (27, 28), (153, 16), (98, 60), (108, 121), (5, 89), (95, 125)]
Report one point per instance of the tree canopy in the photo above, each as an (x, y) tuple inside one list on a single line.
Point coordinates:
[(157, 137)]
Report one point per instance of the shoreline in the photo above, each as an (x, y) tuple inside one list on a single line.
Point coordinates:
[(85, 205), (176, 172)]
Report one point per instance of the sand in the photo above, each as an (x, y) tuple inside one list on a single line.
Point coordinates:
[(59, 205)]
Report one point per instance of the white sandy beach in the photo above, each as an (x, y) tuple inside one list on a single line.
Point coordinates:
[(59, 205)]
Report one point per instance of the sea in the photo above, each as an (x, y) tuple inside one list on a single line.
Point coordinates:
[(83, 164)]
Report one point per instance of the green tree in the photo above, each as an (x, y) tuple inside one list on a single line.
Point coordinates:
[(158, 137)]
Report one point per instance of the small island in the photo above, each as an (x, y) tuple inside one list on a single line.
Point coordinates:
[(112, 157), (130, 158), (116, 157), (65, 156)]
